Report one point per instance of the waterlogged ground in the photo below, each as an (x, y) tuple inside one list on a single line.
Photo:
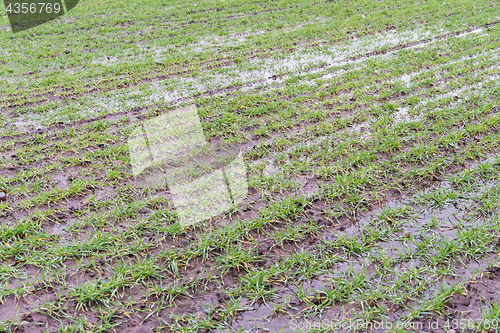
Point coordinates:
[(369, 130)]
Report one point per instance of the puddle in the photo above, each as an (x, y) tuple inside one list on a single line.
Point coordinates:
[(267, 316), (402, 115), (158, 92), (24, 123), (407, 78), (13, 308), (457, 93), (9, 172), (257, 318), (475, 31), (106, 60)]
